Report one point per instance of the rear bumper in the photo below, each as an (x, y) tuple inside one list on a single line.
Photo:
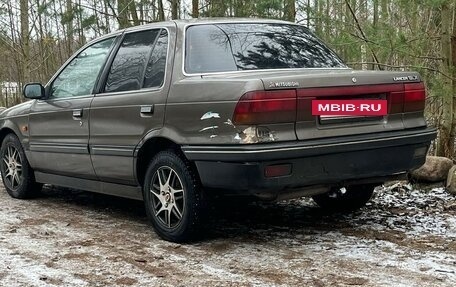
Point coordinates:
[(330, 161)]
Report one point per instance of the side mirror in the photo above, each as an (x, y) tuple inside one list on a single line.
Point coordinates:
[(34, 91)]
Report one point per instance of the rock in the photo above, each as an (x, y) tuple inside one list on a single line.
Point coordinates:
[(450, 207), (356, 281), (451, 181), (435, 169)]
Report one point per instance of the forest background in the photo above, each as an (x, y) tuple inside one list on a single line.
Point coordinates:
[(37, 36)]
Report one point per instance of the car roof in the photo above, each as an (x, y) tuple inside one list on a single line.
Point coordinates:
[(182, 23), (227, 20)]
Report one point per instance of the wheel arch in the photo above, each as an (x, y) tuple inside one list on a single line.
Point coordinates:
[(4, 132), (148, 149), (8, 126), (7, 129)]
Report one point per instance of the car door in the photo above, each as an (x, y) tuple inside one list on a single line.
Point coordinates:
[(131, 103), (59, 124)]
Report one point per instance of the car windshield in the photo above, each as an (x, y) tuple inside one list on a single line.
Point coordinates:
[(250, 46)]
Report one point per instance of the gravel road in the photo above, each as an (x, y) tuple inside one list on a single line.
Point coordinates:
[(404, 237)]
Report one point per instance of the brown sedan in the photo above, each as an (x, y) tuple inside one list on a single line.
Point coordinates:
[(174, 112)]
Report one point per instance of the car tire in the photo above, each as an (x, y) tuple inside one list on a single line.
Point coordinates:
[(173, 197), (17, 175), (345, 199)]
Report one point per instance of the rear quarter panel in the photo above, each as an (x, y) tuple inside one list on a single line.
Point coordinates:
[(199, 110)]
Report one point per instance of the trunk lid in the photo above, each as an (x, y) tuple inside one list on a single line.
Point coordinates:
[(283, 110), (343, 84)]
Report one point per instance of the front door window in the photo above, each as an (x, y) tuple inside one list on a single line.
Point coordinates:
[(80, 75)]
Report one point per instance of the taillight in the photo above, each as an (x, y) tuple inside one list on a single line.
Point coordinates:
[(396, 100), (411, 99), (264, 107), (414, 97)]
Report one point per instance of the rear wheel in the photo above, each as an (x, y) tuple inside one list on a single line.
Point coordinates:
[(346, 198), (17, 175), (173, 197)]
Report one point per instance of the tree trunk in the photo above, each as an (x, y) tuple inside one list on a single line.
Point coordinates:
[(445, 146), (42, 76), (453, 69), (195, 9), (161, 11), (141, 12), (308, 12), (328, 19), (106, 16), (69, 29), (374, 29), (133, 13), (174, 9), (25, 45), (290, 10), (385, 12), (350, 52), (218, 8), (122, 13), (317, 17), (154, 10)]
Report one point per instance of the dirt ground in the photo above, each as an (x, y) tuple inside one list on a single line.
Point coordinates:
[(404, 237)]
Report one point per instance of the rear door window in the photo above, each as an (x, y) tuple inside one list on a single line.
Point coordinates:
[(155, 70), (129, 65)]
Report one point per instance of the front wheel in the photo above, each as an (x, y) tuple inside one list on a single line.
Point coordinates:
[(346, 198), (17, 175), (173, 197)]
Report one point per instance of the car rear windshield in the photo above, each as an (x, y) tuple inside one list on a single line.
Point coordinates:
[(249, 46)]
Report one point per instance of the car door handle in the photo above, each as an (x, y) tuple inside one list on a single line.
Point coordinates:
[(77, 114), (147, 110)]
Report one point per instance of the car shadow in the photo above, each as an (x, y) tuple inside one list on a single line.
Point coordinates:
[(226, 218)]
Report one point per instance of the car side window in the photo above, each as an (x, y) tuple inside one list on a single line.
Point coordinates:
[(78, 78), (127, 69), (155, 70)]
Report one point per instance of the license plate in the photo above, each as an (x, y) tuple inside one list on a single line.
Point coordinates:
[(349, 108)]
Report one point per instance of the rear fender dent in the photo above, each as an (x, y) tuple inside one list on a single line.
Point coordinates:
[(164, 133)]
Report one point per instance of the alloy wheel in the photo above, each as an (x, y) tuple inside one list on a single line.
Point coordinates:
[(12, 167), (168, 197)]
